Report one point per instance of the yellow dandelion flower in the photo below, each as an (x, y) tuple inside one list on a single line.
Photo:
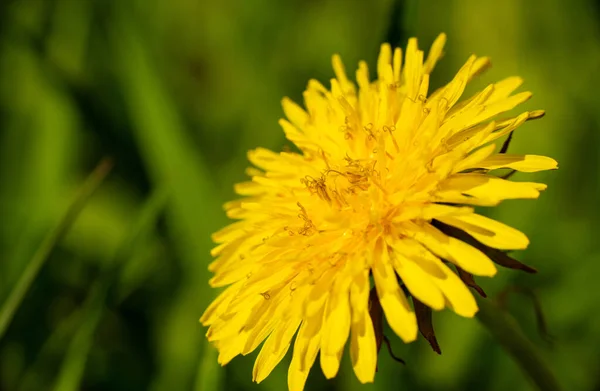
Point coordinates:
[(377, 209)]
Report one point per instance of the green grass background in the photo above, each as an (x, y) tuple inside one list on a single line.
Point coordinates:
[(176, 92)]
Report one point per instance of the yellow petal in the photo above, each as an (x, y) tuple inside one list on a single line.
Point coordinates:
[(305, 353), (397, 63), (523, 163), (397, 310), (218, 306), (418, 283), (480, 66), (503, 128), (362, 76), (319, 293), (229, 325), (294, 113), (479, 114), (504, 88), (465, 140), (413, 70), (384, 60), (330, 363), (231, 274), (456, 87), (501, 106), (435, 53), (456, 251), (229, 351), (337, 319), (459, 297), (491, 188), (274, 349), (363, 348), (474, 159), (359, 292), (265, 159), (340, 74), (476, 100), (298, 292), (262, 329), (490, 232), (249, 188), (432, 211), (263, 279), (457, 197), (228, 234), (295, 135)]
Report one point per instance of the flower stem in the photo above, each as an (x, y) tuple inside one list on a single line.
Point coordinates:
[(505, 330)]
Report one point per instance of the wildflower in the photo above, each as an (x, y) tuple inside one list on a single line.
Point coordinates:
[(382, 193)]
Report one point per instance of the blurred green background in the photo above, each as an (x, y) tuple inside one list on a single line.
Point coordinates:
[(176, 92)]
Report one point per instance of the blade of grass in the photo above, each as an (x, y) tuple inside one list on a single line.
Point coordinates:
[(153, 207), (18, 292), (73, 366), (37, 152), (52, 347)]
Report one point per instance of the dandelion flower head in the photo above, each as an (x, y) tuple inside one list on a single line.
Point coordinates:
[(373, 218)]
